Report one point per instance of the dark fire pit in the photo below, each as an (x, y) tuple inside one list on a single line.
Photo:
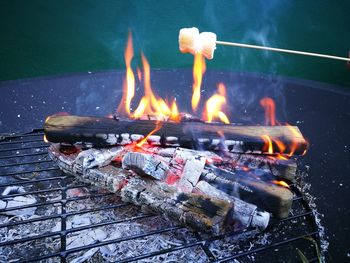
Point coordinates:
[(55, 200)]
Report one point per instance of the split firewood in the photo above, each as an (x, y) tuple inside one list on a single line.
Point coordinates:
[(196, 135), (183, 168), (245, 211), (270, 197), (202, 212), (145, 164)]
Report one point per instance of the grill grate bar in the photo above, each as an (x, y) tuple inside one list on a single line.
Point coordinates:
[(54, 190), (25, 163), (16, 142), (276, 244), (37, 180), (62, 201), (160, 252), (44, 218), (204, 243), (33, 171), (21, 155), (25, 148)]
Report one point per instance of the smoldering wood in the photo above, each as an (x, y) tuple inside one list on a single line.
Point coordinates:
[(189, 165), (189, 134), (248, 213), (201, 212), (281, 169), (284, 169), (267, 196), (145, 164)]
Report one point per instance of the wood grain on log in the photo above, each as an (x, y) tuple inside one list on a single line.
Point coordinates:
[(213, 136)]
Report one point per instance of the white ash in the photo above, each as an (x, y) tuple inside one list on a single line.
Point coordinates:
[(17, 201), (117, 251), (305, 188)]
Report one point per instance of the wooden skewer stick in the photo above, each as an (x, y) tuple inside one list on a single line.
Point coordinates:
[(282, 50)]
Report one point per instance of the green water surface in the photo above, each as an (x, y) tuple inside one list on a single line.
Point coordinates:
[(45, 37)]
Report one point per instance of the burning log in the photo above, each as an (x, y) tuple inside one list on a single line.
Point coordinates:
[(103, 132), (271, 197), (203, 212)]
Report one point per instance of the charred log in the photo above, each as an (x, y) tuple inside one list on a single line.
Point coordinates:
[(202, 212), (106, 131), (268, 196)]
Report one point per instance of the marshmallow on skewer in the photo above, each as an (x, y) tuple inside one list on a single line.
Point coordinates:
[(190, 41), (187, 39), (207, 42)]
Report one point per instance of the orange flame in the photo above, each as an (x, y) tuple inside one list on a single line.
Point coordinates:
[(280, 145), (139, 73), (214, 105), (281, 183), (269, 105), (157, 128), (198, 71), (268, 144), (129, 82), (294, 144), (149, 103)]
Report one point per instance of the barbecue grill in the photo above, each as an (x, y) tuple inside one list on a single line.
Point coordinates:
[(46, 232)]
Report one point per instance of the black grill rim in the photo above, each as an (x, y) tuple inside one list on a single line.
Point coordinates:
[(204, 243)]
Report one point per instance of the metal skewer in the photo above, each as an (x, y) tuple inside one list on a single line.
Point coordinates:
[(282, 50)]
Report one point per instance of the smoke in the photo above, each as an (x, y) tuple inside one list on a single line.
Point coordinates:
[(98, 95), (258, 26)]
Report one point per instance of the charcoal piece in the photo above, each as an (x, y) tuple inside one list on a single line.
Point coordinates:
[(268, 196), (244, 213), (201, 212), (193, 165), (145, 164), (93, 158)]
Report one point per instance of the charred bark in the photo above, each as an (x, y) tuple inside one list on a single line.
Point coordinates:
[(267, 196), (212, 136), (202, 212)]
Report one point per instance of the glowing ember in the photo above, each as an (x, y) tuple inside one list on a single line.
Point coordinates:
[(214, 105), (198, 71), (269, 105), (281, 183)]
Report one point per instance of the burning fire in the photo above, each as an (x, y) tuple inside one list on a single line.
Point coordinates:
[(198, 71), (269, 105), (214, 105), (268, 144), (151, 104), (281, 183), (129, 82), (157, 128)]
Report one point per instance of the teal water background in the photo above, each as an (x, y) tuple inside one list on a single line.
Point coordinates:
[(45, 37)]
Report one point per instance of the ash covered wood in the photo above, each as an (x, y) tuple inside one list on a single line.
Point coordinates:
[(203, 212), (267, 196), (107, 131), (145, 164)]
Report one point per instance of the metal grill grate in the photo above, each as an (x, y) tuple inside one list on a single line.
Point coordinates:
[(24, 163)]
